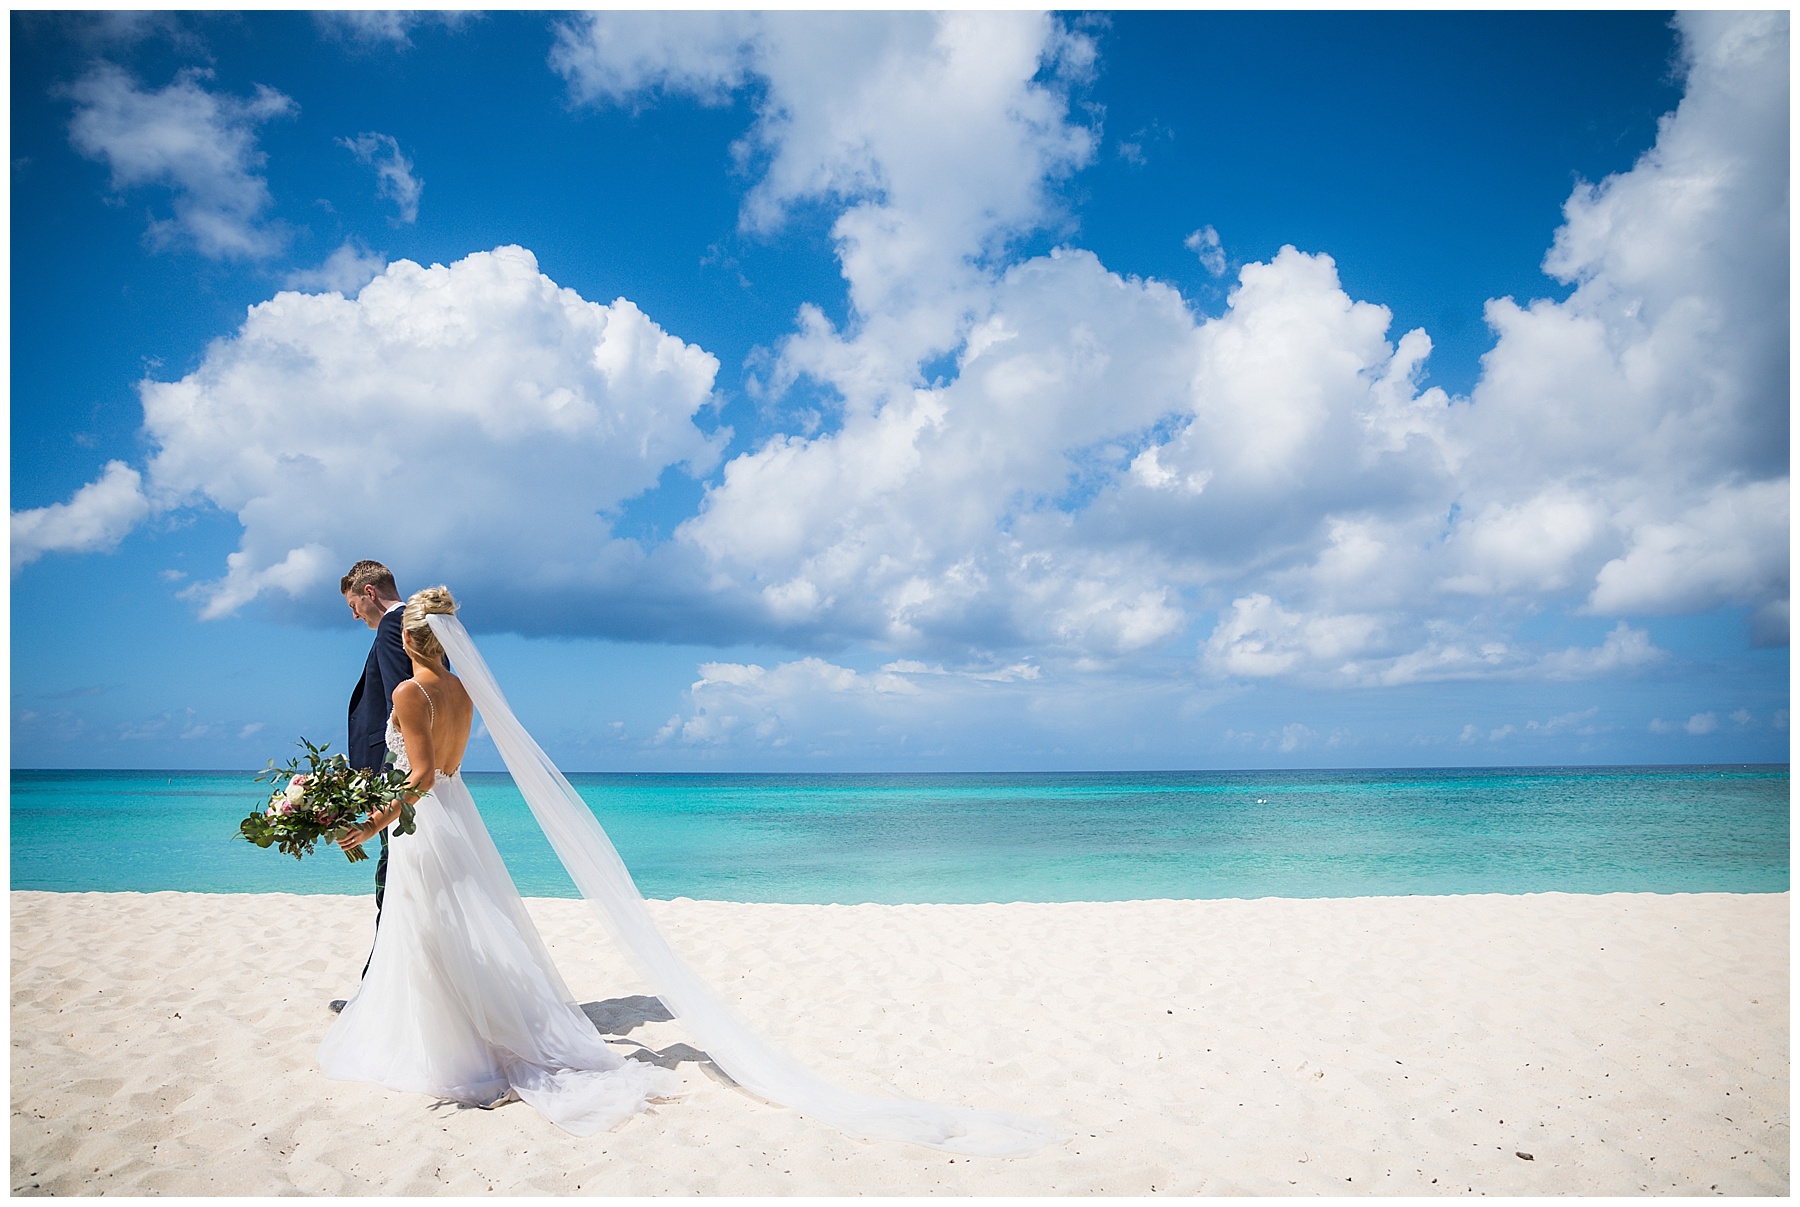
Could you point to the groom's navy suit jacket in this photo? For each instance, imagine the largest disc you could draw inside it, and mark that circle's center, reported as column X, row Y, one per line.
column 387, row 667
column 373, row 699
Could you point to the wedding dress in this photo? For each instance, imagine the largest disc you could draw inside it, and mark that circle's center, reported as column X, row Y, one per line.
column 461, row 999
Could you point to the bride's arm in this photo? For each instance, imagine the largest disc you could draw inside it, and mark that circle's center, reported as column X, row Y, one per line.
column 412, row 715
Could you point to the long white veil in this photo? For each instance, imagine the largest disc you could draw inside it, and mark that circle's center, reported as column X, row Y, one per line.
column 751, row 1061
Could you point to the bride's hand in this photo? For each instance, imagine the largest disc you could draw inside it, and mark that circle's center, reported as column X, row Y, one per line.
column 357, row 837
column 369, row 830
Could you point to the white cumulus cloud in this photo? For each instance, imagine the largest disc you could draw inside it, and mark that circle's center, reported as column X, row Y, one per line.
column 1261, row 639
column 1732, row 546
column 1529, row 546
column 932, row 518
column 472, row 423
column 392, row 27
column 938, row 134
column 200, row 145
column 346, row 270
column 610, row 56
column 1625, row 648
column 96, row 517
column 1636, row 433
column 1702, row 722
column 1205, row 244
column 976, row 715
column 394, row 177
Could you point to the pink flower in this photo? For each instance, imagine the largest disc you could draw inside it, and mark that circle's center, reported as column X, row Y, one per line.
column 293, row 794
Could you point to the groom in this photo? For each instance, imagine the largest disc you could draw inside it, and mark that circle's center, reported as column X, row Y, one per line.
column 369, row 590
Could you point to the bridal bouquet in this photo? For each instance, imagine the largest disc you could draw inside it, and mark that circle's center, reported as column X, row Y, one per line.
column 327, row 799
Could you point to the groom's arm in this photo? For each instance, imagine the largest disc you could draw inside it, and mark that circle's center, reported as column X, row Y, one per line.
column 390, row 657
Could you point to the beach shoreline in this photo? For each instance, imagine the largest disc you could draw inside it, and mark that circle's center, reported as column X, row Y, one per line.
column 1630, row 1043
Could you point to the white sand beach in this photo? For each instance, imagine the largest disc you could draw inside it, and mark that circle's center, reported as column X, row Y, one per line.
column 1630, row 1043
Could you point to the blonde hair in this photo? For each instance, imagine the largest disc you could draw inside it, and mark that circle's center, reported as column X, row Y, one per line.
column 432, row 601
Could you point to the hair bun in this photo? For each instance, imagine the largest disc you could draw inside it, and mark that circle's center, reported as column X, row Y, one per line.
column 432, row 601
column 435, row 601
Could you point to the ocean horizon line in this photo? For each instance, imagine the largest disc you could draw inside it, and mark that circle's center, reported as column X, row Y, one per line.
column 1345, row 770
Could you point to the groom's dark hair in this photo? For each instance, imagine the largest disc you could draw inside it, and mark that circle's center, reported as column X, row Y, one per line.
column 369, row 574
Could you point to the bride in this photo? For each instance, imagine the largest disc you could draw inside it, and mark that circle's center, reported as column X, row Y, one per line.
column 461, row 999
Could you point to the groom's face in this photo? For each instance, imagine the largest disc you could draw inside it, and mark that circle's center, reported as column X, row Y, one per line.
column 366, row 607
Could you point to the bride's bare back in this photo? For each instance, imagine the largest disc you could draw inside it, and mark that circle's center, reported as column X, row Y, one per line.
column 435, row 715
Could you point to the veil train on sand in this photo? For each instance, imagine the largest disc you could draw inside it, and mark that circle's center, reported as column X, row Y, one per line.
column 750, row 1060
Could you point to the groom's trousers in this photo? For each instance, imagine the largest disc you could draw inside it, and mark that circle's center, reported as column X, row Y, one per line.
column 380, row 889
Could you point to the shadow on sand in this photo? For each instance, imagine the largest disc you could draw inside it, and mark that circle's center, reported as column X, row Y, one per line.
column 617, row 1017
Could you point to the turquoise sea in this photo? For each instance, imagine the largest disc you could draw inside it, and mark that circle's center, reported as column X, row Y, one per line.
column 977, row 837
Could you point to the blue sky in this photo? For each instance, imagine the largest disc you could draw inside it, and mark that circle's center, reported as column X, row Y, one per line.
column 910, row 391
